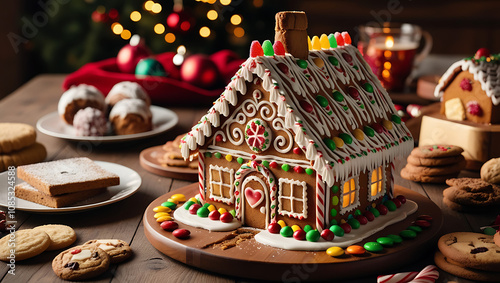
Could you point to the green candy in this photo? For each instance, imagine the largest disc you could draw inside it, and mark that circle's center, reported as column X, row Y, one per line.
column 335, row 200
column 396, row 119
column 171, row 205
column 415, row 228
column 368, row 87
column 267, row 46
column 286, row 231
column 312, row 236
column 373, row 247
column 385, row 241
column 206, row 205
column 391, row 206
column 354, row 223
column 335, row 189
column 329, row 143
column 208, row 154
column 285, row 167
column 346, row 138
column 337, row 95
column 265, row 163
column 308, row 228
column 188, row 204
column 375, row 212
column 333, row 212
column 489, row 231
column 302, row 63
column 395, row 238
column 369, row 131
column 309, row 171
column 337, row 230
column 322, row 100
column 202, row 212
column 333, row 42
column 240, row 160
column 357, row 212
column 233, row 212
column 408, row 234
column 333, row 222
column 218, row 155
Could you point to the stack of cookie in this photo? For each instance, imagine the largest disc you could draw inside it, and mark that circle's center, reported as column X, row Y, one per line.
column 469, row 255
column 471, row 194
column 173, row 156
column 18, row 145
column 63, row 182
column 434, row 163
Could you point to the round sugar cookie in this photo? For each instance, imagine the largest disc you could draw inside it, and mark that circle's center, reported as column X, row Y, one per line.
column 32, row 154
column 15, row 136
column 436, row 151
column 61, row 236
column 424, row 178
column 28, row 243
column 81, row 262
column 473, row 274
column 118, row 250
column 420, row 161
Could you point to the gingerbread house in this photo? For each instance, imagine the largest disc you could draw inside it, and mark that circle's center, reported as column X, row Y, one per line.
column 470, row 89
column 303, row 133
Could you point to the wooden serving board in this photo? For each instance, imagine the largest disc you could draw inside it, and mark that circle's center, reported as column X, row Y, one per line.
column 149, row 161
column 251, row 259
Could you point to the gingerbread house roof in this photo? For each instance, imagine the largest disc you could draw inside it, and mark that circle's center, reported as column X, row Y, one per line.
column 485, row 70
column 339, row 113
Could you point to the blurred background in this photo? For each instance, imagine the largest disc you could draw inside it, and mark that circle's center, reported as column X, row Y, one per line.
column 59, row 36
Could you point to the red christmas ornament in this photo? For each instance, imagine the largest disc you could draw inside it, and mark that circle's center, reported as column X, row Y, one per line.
column 131, row 54
column 180, row 21
column 200, row 71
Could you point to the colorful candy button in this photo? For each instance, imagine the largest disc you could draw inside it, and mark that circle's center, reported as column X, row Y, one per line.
column 329, row 143
column 318, row 62
column 322, row 100
column 312, row 236
column 282, row 223
column 335, row 251
column 160, row 214
column 369, row 131
column 415, row 228
column 387, row 124
column 373, row 247
column 358, row 134
column 385, row 241
column 396, row 119
column 355, row 250
column 395, row 238
column 179, row 197
column 391, row 206
column 296, row 227
column 408, row 234
column 170, row 205
column 338, row 142
column 299, row 235
column 286, row 231
column 162, row 209
column 354, row 223
column 164, row 218
column 188, row 204
column 346, row 138
column 203, row 212
column 169, row 225
column 307, row 228
column 337, row 96
column 181, row 233
column 337, row 230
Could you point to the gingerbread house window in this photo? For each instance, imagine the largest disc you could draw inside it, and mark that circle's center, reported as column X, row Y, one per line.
column 376, row 183
column 350, row 195
column 292, row 198
column 221, row 184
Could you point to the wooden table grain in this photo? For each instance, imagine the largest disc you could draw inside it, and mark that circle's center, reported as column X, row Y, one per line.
column 123, row 220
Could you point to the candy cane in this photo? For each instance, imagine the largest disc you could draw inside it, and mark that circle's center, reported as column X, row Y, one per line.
column 428, row 275
column 320, row 203
column 201, row 172
column 393, row 169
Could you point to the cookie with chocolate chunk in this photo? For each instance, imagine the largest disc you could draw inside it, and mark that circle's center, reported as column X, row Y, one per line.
column 81, row 262
column 118, row 250
column 454, row 268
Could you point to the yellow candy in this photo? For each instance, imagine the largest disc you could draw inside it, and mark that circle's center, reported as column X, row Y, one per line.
column 211, row 208
column 342, row 221
column 309, row 45
column 338, row 142
column 335, row 251
column 281, row 223
column 325, row 43
column 316, row 45
column 164, row 218
column 296, row 227
column 387, row 124
column 160, row 214
column 193, row 199
column 358, row 134
column 162, row 209
column 222, row 210
column 318, row 62
column 229, row 157
column 172, row 200
column 179, row 197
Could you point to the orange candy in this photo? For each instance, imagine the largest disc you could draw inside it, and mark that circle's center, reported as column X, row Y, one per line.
column 355, row 250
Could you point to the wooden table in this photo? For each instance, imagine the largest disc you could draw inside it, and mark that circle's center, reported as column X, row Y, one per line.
column 123, row 220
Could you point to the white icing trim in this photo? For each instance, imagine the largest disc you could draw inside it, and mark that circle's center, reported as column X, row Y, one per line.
column 291, row 198
column 227, row 200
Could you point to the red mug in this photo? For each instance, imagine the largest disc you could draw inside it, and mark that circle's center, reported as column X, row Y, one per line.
column 391, row 51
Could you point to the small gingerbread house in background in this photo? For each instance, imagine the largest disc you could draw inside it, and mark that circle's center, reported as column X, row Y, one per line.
column 470, row 89
column 303, row 133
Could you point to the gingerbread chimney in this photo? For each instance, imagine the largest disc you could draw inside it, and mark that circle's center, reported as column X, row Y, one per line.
column 291, row 30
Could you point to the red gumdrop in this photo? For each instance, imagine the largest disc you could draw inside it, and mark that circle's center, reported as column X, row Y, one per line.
column 279, row 49
column 474, row 108
column 353, row 92
column 218, row 138
column 256, row 49
column 298, row 169
column 273, row 165
column 181, row 233
column 402, row 199
column 378, row 128
column 297, row 150
column 214, row 215
column 362, row 219
column 327, row 235
column 346, row 227
column 396, row 202
column 382, row 209
column 423, row 223
column 482, row 52
column 169, row 225
column 347, row 37
column 226, row 217
column 194, row 208
column 339, row 38
column 299, row 235
column 274, row 228
column 466, row 85
column 369, row 216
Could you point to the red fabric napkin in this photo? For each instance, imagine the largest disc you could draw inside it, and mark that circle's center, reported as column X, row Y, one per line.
column 162, row 90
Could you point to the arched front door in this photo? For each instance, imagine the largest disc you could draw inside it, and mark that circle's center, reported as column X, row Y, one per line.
column 255, row 200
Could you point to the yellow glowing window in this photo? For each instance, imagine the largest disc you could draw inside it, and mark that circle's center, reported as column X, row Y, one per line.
column 349, row 193
column 377, row 181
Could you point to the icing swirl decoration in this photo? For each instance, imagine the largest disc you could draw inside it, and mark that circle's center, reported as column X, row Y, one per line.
column 257, row 135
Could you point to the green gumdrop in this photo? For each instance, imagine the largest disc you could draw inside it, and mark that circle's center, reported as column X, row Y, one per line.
column 233, row 212
column 346, row 138
column 309, row 171
column 312, row 236
column 354, row 223
column 375, row 212
column 337, row 95
column 391, row 206
column 357, row 212
column 335, row 189
column 322, row 101
column 333, row 212
column 307, row 228
column 188, row 204
column 368, row 87
column 396, row 119
column 329, row 143
column 369, row 131
column 302, row 63
column 286, row 231
column 208, row 154
column 337, row 230
column 267, row 46
column 240, row 160
column 333, row 41
column 335, row 200
column 217, row 155
column 265, row 163
column 202, row 212
column 285, row 167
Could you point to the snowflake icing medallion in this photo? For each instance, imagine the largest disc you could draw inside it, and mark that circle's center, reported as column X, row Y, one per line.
column 257, row 135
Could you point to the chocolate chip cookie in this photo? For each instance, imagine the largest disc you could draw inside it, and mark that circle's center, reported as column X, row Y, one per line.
column 118, row 250
column 81, row 262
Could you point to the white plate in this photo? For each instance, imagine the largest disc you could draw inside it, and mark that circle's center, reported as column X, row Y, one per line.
column 52, row 125
column 130, row 182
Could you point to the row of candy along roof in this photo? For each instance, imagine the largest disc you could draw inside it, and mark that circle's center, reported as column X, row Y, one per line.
column 486, row 70
column 340, row 114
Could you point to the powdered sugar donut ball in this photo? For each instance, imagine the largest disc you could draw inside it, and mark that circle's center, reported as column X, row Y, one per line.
column 90, row 122
column 126, row 90
column 79, row 97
